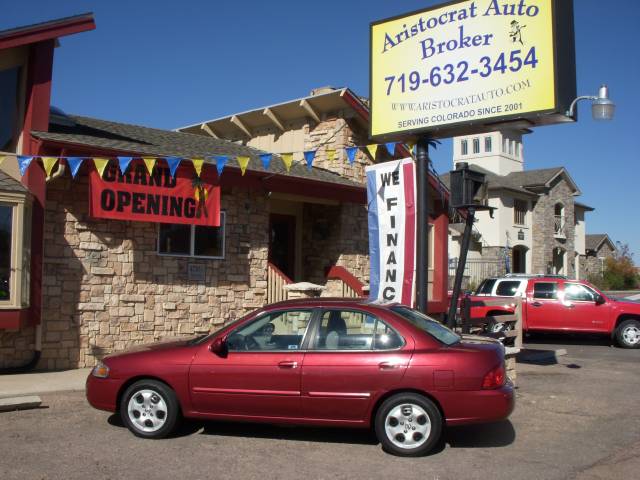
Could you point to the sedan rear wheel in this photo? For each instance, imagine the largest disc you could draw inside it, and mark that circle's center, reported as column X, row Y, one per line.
column 628, row 334
column 149, row 409
column 408, row 424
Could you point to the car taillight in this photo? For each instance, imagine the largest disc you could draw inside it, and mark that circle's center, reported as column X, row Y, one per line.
column 495, row 378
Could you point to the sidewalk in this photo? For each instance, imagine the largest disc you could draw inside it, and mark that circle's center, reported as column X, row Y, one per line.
column 42, row 382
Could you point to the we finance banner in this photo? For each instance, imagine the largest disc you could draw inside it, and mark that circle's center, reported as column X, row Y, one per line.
column 157, row 197
column 391, row 190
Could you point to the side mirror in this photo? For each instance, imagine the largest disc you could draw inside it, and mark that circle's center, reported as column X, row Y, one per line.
column 219, row 347
column 599, row 299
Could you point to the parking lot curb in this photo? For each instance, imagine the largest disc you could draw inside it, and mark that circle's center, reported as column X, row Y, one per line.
column 10, row 404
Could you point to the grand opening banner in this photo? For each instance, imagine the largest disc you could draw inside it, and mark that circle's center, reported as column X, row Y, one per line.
column 391, row 190
column 157, row 197
column 472, row 63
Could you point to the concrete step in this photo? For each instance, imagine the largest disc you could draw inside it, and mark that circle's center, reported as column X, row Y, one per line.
column 10, row 404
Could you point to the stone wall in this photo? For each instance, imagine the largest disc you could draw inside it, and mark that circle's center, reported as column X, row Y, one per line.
column 592, row 265
column 544, row 240
column 105, row 288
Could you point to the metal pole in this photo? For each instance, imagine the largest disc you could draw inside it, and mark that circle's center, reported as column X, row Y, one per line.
column 422, row 215
column 457, row 285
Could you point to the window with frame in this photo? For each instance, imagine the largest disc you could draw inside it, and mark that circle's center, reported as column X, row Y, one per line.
column 578, row 293
column 476, row 145
column 507, row 288
column 15, row 250
column 281, row 330
column 354, row 330
column 519, row 211
column 192, row 240
column 545, row 290
column 510, row 143
column 487, row 144
column 464, row 147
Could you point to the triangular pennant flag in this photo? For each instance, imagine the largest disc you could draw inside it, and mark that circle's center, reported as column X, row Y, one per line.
column 331, row 154
column 174, row 163
column 123, row 163
column 197, row 165
column 23, row 163
column 372, row 149
column 266, row 160
column 309, row 155
column 101, row 164
column 287, row 159
column 149, row 162
column 391, row 148
column 351, row 154
column 2, row 160
column 221, row 161
column 74, row 164
column 48, row 163
column 243, row 162
column 410, row 146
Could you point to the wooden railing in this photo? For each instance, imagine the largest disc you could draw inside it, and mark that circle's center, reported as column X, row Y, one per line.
column 514, row 319
column 351, row 286
column 276, row 280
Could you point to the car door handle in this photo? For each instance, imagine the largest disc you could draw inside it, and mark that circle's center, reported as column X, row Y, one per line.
column 536, row 304
column 388, row 365
column 288, row 364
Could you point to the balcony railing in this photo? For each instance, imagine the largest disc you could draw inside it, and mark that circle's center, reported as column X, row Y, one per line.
column 558, row 226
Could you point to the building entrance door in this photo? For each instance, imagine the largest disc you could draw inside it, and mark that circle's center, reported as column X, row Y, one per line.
column 519, row 256
column 282, row 243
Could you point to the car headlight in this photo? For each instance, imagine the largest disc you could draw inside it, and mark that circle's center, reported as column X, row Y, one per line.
column 100, row 370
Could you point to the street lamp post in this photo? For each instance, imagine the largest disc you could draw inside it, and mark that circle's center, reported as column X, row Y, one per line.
column 602, row 108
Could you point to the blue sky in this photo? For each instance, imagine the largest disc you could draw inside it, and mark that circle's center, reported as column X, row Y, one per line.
column 167, row 64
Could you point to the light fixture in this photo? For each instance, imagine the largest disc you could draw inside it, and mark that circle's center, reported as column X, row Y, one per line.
column 602, row 107
column 520, row 234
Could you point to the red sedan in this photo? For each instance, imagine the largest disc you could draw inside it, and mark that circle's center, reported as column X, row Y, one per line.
column 331, row 362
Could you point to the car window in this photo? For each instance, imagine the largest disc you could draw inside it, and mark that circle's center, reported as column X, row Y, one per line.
column 545, row 290
column 507, row 288
column 282, row 330
column 354, row 330
column 578, row 292
column 486, row 286
column 427, row 324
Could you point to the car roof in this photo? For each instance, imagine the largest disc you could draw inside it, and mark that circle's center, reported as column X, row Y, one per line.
column 330, row 302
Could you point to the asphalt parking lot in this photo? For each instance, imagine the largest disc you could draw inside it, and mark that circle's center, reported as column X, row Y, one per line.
column 576, row 417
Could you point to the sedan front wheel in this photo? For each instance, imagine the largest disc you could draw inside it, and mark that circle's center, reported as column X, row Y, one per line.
column 149, row 409
column 408, row 425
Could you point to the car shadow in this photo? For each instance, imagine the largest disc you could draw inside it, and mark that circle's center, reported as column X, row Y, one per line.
column 568, row 339
column 490, row 435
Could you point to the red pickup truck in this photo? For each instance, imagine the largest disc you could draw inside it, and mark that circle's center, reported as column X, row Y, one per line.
column 560, row 305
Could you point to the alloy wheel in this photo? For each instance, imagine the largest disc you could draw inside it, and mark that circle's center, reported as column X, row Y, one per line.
column 147, row 410
column 407, row 425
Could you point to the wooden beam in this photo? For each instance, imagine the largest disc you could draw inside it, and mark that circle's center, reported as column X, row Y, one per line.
column 208, row 129
column 272, row 116
column 309, row 109
column 238, row 123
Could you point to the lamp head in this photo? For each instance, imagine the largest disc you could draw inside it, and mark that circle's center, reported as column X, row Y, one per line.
column 602, row 108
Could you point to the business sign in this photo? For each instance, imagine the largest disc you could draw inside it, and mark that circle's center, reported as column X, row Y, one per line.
column 391, row 190
column 159, row 197
column 471, row 66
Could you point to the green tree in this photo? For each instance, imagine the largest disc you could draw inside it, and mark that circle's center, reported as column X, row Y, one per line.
column 620, row 273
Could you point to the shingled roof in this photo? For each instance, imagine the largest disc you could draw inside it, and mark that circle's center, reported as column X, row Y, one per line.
column 593, row 241
column 522, row 182
column 122, row 138
column 10, row 184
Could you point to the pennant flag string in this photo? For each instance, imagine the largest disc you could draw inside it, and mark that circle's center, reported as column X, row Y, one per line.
column 243, row 162
column 391, row 148
column 23, row 163
column 197, row 165
column 309, row 155
column 351, row 154
column 331, row 154
column 74, row 165
column 123, row 163
column 221, row 161
column 149, row 162
column 287, row 159
column 372, row 149
column 48, row 163
column 266, row 160
column 100, row 164
column 174, row 163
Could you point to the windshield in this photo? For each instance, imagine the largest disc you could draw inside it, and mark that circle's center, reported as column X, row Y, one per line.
column 486, row 286
column 203, row 338
column 433, row 328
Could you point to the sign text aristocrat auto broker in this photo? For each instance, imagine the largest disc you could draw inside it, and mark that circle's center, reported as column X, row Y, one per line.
column 158, row 197
column 465, row 62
